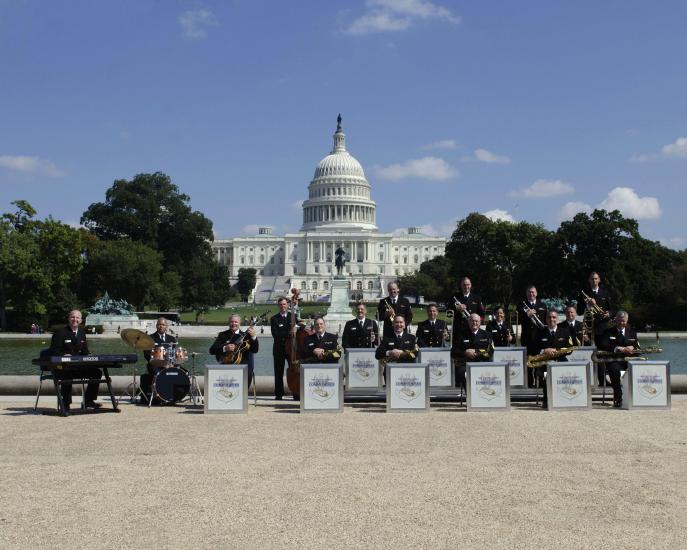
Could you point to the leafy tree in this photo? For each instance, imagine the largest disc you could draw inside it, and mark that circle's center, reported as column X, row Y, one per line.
column 246, row 282
column 150, row 210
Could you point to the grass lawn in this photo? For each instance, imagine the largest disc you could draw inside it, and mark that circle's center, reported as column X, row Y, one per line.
column 220, row 316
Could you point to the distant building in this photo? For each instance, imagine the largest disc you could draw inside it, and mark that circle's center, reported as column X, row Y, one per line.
column 338, row 212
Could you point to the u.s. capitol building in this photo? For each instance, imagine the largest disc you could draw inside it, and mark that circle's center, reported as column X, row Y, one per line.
column 339, row 212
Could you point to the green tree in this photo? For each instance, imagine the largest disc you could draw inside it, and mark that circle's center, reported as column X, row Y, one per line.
column 246, row 282
column 150, row 210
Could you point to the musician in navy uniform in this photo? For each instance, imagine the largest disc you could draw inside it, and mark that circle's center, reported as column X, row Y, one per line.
column 549, row 339
column 391, row 306
column 400, row 346
column 431, row 333
column 280, row 326
column 472, row 345
column 320, row 346
column 360, row 332
column 599, row 296
column 71, row 340
column 529, row 329
column 573, row 326
column 622, row 340
column 229, row 340
column 500, row 331
column 468, row 302
column 160, row 337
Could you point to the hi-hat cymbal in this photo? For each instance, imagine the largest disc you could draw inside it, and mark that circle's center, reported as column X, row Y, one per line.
column 137, row 339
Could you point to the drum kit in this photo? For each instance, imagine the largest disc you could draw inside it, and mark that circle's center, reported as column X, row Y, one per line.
column 172, row 383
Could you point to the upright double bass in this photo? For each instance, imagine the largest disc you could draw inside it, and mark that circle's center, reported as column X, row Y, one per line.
column 293, row 345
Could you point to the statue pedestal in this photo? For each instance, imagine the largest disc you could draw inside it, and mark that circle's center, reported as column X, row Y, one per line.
column 339, row 311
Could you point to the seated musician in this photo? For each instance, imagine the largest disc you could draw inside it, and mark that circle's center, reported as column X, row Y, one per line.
column 622, row 340
column 574, row 327
column 71, row 340
column 228, row 342
column 400, row 346
column 321, row 346
column 160, row 337
column 473, row 345
column 500, row 331
column 552, row 337
column 360, row 332
column 432, row 333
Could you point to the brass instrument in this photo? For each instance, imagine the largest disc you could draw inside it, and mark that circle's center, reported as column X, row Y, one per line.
column 464, row 312
column 484, row 354
column 534, row 318
column 541, row 360
column 335, row 353
column 390, row 311
column 517, row 325
column 405, row 354
column 596, row 309
column 613, row 357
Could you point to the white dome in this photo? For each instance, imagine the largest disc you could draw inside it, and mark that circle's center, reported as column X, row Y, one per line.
column 340, row 163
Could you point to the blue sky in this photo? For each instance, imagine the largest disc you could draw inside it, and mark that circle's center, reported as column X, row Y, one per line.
column 527, row 110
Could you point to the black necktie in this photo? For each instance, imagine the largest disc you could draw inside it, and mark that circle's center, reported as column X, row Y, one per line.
column 553, row 332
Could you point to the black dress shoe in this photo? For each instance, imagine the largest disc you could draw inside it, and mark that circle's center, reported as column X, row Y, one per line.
column 617, row 403
column 277, row 397
column 296, row 397
column 93, row 405
column 67, row 406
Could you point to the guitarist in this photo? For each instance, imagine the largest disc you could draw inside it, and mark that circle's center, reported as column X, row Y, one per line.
column 228, row 341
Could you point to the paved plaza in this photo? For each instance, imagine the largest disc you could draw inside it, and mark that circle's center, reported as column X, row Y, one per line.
column 174, row 477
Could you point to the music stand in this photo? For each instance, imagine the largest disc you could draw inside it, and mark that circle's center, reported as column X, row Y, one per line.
column 195, row 395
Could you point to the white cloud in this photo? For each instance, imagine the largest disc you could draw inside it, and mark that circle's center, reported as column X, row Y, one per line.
column 676, row 243
column 675, row 150
column 442, row 144
column 482, row 155
column 427, row 168
column 631, row 205
column 541, row 189
column 297, row 206
column 31, row 165
column 499, row 215
column 571, row 208
column 194, row 23
column 397, row 15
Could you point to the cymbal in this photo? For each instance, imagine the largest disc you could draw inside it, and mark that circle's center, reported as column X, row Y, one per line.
column 137, row 339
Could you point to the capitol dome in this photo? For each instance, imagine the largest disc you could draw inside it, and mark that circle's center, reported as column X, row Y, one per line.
column 339, row 194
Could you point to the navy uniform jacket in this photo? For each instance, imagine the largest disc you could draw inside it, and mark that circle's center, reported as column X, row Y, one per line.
column 64, row 342
column 229, row 337
column 499, row 335
column 603, row 300
column 429, row 336
column 469, row 340
column 401, row 307
column 280, row 328
column 612, row 339
column 406, row 342
column 169, row 339
column 355, row 337
column 329, row 342
column 529, row 332
column 575, row 332
column 559, row 339
column 474, row 305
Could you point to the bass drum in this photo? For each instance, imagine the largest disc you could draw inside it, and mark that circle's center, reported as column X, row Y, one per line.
column 171, row 385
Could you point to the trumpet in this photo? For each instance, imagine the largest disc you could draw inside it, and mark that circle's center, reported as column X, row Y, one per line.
column 534, row 318
column 464, row 312
column 390, row 311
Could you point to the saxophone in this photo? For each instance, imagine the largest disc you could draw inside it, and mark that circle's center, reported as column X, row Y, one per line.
column 332, row 353
column 405, row 354
column 542, row 359
column 612, row 357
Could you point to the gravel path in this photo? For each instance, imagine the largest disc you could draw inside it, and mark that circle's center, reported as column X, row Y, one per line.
column 162, row 477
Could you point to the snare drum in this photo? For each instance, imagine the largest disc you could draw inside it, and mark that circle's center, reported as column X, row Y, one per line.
column 180, row 356
column 162, row 355
column 171, row 384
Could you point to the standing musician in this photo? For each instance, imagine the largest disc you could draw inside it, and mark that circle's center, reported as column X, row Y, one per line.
column 622, row 340
column 596, row 296
column 228, row 341
column 71, row 340
column 573, row 326
column 160, row 337
column 433, row 332
column 466, row 302
column 321, row 346
column 549, row 339
column 390, row 307
column 360, row 332
column 529, row 326
column 280, row 326
column 400, row 346
column 500, row 332
column 473, row 345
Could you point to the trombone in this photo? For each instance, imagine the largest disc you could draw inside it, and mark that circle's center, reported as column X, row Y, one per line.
column 534, row 318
